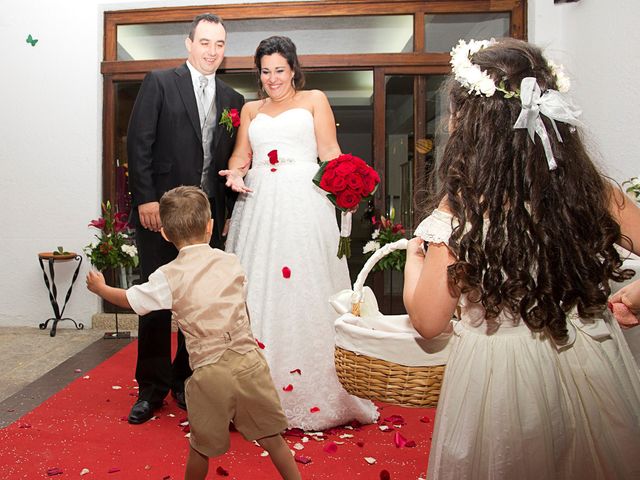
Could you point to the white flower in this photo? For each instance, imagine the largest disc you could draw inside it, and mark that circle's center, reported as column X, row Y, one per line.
column 130, row 250
column 466, row 73
column 486, row 86
column 375, row 234
column 371, row 246
column 562, row 80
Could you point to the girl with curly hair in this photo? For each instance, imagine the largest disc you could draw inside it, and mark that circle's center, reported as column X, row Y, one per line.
column 522, row 243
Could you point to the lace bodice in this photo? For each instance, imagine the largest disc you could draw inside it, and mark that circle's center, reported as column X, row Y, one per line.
column 295, row 140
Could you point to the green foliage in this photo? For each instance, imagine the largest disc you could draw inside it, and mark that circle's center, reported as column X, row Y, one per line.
column 633, row 188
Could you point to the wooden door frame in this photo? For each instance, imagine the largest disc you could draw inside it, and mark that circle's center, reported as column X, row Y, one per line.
column 415, row 62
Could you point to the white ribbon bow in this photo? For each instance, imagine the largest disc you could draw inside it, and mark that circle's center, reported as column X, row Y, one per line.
column 553, row 105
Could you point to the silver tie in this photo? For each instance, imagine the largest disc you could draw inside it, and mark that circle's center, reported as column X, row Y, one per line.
column 203, row 98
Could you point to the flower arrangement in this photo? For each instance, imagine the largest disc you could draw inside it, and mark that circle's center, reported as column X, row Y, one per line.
column 633, row 188
column 348, row 180
column 386, row 231
column 114, row 248
column 230, row 119
column 479, row 82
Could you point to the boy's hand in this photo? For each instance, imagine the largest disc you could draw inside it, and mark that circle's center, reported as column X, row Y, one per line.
column 95, row 281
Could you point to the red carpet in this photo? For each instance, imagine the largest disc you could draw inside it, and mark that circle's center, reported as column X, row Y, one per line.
column 84, row 427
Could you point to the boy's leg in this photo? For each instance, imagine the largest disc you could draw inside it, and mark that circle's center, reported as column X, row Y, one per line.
column 197, row 465
column 281, row 456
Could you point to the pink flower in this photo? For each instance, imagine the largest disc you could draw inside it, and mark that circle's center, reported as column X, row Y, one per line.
column 99, row 223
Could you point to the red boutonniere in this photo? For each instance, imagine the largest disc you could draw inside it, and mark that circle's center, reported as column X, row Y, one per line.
column 230, row 119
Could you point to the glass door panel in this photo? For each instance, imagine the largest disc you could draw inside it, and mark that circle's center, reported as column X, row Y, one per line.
column 442, row 31
column 312, row 35
column 350, row 94
column 414, row 109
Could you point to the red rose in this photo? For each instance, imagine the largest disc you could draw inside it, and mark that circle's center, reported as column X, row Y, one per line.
column 345, row 168
column 235, row 117
column 273, row 157
column 338, row 184
column 370, row 181
column 354, row 182
column 328, row 175
column 331, row 165
column 347, row 199
column 326, row 184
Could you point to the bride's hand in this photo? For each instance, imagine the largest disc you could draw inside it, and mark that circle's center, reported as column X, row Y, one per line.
column 235, row 181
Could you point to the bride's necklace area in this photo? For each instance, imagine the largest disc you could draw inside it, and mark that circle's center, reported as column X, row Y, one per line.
column 276, row 107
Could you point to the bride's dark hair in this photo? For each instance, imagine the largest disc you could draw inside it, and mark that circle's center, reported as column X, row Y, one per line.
column 537, row 242
column 285, row 47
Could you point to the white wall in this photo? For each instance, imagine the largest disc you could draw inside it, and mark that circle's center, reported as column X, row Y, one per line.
column 597, row 42
column 51, row 148
column 51, row 124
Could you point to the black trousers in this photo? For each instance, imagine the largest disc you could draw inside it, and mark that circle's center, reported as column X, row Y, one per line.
column 156, row 373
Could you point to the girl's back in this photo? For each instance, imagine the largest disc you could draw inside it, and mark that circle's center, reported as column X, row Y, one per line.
column 517, row 404
column 540, row 384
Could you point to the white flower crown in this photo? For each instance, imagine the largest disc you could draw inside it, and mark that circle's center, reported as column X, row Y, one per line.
column 553, row 104
column 479, row 82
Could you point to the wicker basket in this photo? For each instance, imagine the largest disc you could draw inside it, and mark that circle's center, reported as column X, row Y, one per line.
column 377, row 379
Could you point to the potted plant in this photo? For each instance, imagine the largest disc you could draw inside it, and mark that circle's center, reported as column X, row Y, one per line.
column 633, row 188
column 386, row 231
column 113, row 247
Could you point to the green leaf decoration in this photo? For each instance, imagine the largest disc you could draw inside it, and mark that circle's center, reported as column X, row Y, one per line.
column 32, row 41
column 61, row 251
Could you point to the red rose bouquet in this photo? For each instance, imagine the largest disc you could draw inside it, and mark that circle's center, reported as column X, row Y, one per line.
column 348, row 180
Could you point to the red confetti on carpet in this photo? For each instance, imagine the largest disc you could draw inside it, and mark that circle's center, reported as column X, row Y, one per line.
column 81, row 428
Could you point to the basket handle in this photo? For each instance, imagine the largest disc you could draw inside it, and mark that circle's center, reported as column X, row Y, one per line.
column 356, row 298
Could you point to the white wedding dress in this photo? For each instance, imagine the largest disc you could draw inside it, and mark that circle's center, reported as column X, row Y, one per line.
column 287, row 228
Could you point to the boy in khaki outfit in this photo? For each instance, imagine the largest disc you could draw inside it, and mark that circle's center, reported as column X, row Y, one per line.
column 205, row 289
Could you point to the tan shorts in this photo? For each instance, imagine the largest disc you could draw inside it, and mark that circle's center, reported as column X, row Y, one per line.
column 237, row 388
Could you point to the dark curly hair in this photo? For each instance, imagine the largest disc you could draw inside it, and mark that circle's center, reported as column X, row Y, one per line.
column 533, row 241
column 285, row 47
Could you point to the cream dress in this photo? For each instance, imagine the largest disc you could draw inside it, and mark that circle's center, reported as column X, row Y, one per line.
column 516, row 405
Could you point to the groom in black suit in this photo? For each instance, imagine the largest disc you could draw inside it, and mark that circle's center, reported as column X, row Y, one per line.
column 175, row 138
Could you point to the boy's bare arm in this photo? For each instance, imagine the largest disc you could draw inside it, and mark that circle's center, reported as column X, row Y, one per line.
column 116, row 296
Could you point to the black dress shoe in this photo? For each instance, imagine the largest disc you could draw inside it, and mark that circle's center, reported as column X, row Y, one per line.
column 141, row 411
column 180, row 400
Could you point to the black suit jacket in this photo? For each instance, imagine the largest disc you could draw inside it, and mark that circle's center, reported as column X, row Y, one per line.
column 164, row 143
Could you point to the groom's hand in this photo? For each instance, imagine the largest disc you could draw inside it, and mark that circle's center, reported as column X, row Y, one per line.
column 149, row 214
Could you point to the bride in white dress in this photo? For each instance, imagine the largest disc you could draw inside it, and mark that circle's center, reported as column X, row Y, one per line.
column 284, row 231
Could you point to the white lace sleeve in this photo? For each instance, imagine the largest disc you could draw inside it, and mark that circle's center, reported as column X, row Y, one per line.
column 436, row 228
